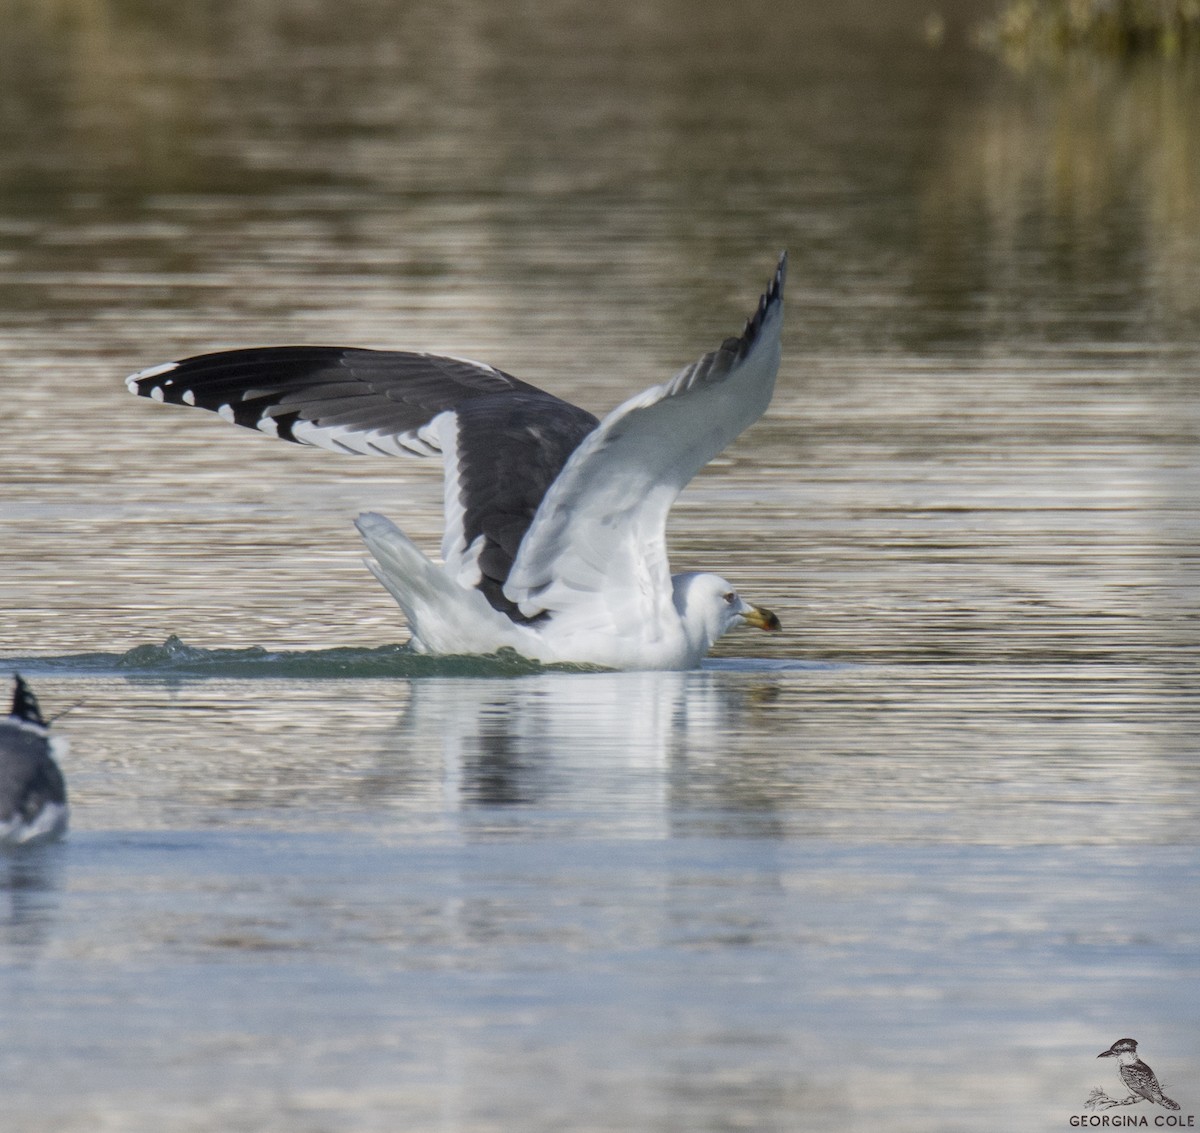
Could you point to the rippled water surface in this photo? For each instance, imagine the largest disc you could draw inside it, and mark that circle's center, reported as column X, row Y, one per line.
column 909, row 865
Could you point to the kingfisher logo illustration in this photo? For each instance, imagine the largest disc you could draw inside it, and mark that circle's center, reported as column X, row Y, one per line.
column 1140, row 1084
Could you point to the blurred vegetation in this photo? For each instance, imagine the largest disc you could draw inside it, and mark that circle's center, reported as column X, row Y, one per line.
column 1027, row 29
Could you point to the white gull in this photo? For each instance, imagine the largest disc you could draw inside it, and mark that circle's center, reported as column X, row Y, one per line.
column 554, row 540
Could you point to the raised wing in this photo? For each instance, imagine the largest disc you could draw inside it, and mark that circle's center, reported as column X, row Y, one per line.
column 367, row 402
column 503, row 441
column 601, row 528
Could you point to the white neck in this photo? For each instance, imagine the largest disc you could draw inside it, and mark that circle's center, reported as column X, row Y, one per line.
column 697, row 618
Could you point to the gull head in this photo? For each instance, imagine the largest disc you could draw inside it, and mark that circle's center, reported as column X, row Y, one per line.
column 709, row 607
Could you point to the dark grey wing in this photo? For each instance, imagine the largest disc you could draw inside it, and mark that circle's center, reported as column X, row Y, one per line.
column 507, row 451
column 369, row 402
column 503, row 441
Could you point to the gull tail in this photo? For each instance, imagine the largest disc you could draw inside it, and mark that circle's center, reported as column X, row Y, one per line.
column 444, row 617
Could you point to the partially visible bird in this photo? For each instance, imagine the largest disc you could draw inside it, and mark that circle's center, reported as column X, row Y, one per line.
column 1136, row 1075
column 33, row 793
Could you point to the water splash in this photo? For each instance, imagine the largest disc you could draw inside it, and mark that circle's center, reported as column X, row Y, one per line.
column 175, row 657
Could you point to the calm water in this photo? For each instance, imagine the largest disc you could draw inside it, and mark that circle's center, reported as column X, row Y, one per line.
column 910, row 865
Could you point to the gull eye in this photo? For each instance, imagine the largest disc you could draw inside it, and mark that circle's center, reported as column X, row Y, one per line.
column 730, row 597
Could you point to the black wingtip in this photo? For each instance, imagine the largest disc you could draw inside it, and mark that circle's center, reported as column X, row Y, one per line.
column 775, row 290
column 24, row 703
column 770, row 299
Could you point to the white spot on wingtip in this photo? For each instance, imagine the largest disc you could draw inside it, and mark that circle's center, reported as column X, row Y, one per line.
column 269, row 426
column 133, row 382
column 225, row 412
column 189, row 398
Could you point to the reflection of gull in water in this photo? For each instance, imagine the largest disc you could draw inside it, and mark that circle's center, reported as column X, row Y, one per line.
column 555, row 523
column 603, row 744
column 33, row 795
